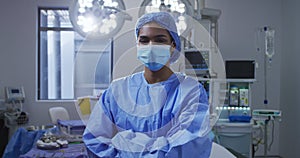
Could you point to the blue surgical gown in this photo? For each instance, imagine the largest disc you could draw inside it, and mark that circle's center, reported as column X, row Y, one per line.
column 136, row 119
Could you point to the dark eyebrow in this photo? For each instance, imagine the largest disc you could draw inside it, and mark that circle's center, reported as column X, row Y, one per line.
column 157, row 36
column 161, row 36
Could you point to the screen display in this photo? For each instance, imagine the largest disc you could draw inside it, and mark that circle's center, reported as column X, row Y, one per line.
column 196, row 60
column 15, row 91
column 243, row 69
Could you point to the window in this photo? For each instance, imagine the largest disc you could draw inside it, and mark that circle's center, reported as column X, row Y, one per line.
column 68, row 65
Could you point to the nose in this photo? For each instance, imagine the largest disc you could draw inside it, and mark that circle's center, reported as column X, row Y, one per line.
column 151, row 43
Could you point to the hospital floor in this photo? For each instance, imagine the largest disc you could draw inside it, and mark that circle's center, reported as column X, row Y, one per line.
column 267, row 156
column 238, row 155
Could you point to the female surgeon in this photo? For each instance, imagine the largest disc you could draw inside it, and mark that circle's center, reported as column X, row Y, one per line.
column 156, row 112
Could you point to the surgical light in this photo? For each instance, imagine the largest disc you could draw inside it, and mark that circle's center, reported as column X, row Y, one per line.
column 98, row 19
column 177, row 8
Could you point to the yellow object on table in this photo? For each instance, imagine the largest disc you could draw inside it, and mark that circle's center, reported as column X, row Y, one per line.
column 85, row 106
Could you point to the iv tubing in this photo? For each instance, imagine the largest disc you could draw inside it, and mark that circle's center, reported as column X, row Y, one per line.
column 265, row 80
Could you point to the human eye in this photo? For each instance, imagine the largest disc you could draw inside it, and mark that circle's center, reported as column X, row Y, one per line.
column 161, row 40
column 143, row 41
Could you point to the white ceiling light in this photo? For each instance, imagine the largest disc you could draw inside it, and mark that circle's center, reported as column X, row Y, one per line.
column 178, row 8
column 98, row 19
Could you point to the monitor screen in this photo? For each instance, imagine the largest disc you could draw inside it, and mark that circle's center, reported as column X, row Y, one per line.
column 195, row 60
column 15, row 91
column 240, row 69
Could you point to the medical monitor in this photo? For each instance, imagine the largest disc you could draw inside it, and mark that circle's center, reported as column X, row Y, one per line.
column 240, row 69
column 196, row 62
column 14, row 94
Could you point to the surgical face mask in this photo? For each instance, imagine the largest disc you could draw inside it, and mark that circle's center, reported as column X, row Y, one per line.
column 154, row 57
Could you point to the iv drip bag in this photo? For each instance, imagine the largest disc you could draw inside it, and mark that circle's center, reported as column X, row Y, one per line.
column 269, row 42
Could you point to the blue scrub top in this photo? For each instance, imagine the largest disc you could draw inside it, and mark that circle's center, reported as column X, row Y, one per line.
column 137, row 119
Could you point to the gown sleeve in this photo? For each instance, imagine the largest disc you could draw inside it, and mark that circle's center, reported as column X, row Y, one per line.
column 99, row 132
column 189, row 135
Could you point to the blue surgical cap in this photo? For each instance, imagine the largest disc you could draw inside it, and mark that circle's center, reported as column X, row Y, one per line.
column 166, row 21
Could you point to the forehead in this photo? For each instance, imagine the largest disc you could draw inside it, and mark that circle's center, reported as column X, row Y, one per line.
column 153, row 29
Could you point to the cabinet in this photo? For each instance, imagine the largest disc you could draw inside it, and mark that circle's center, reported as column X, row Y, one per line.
column 233, row 129
column 236, row 137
